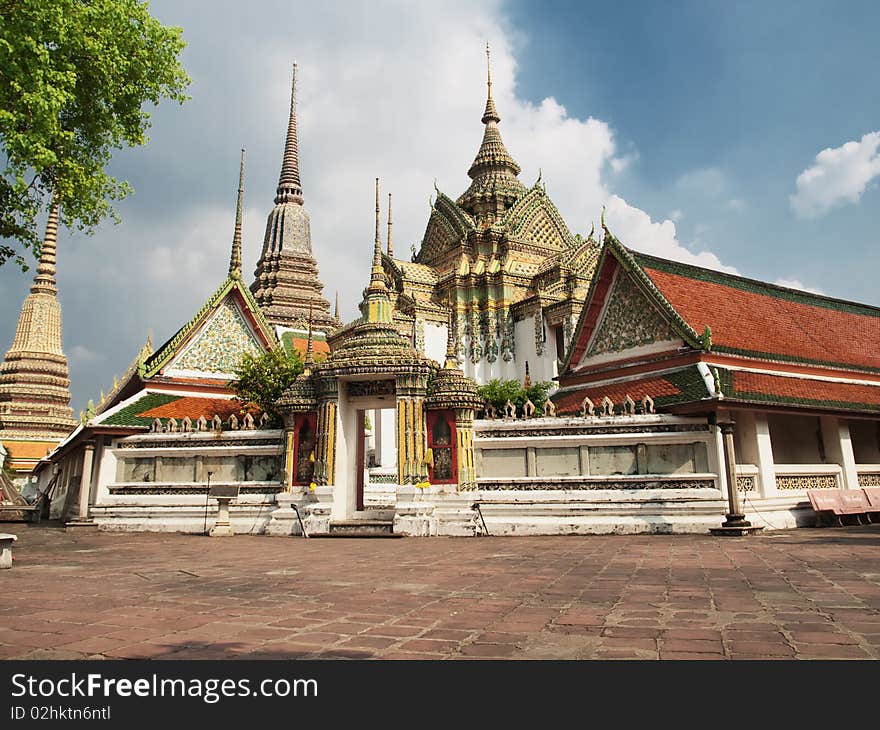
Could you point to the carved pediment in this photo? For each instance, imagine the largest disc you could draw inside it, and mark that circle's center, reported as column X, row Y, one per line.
column 630, row 320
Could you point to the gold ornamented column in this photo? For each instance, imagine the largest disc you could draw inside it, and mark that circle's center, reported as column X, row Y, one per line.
column 464, row 429
column 289, row 467
column 325, row 447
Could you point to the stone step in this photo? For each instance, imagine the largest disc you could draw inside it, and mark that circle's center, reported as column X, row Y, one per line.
column 360, row 528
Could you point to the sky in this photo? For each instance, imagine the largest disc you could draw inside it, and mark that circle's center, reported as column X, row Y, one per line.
column 743, row 136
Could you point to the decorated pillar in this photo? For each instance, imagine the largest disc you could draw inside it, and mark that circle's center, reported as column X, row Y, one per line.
column 464, row 436
column 325, row 443
column 289, row 435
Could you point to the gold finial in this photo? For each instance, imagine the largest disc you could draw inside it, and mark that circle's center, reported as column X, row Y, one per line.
column 490, row 114
column 377, row 275
column 235, row 258
column 488, row 70
column 390, row 244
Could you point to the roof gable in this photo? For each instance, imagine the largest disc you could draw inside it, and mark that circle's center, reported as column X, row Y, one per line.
column 227, row 326
column 615, row 260
column 535, row 219
column 629, row 320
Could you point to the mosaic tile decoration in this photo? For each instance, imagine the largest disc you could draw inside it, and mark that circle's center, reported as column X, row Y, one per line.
column 219, row 347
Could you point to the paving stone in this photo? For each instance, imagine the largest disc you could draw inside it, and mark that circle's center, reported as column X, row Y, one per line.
column 783, row 595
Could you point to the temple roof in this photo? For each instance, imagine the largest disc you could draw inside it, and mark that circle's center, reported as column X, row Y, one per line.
column 758, row 319
column 751, row 342
column 494, row 185
column 286, row 283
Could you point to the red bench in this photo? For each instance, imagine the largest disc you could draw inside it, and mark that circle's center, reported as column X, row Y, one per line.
column 857, row 502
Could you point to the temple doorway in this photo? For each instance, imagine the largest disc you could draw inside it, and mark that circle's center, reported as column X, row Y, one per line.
column 363, row 405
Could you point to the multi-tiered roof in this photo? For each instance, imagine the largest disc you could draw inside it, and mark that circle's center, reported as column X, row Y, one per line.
column 34, row 386
column 286, row 283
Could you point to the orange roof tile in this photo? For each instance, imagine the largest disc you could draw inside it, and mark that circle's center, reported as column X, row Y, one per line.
column 195, row 407
column 754, row 318
column 29, row 449
column 803, row 391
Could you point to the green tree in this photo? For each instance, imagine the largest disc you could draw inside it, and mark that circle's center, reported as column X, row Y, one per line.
column 498, row 392
column 263, row 378
column 75, row 76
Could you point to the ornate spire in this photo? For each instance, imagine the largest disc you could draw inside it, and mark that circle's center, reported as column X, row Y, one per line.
column 495, row 185
column 336, row 311
column 44, row 281
column 390, row 244
column 490, row 113
column 377, row 275
column 527, row 381
column 34, row 384
column 235, row 258
column 289, row 185
column 376, row 306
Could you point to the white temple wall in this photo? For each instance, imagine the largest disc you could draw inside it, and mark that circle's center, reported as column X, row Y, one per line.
column 435, row 341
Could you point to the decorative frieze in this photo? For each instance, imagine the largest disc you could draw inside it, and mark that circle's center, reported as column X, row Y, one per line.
column 806, row 481
column 541, row 484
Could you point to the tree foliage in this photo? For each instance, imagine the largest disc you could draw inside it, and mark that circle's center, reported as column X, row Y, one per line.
column 498, row 392
column 263, row 378
column 74, row 78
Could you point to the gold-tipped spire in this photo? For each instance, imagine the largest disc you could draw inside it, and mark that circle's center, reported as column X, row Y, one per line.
column 490, row 112
column 377, row 273
column 336, row 311
column 44, row 281
column 527, row 381
column 376, row 306
column 390, row 245
column 235, row 258
column 289, row 185
column 495, row 186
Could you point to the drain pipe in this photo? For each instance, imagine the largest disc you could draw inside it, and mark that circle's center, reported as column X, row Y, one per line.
column 476, row 506
column 298, row 517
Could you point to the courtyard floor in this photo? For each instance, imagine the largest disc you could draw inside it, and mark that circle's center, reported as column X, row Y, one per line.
column 809, row 593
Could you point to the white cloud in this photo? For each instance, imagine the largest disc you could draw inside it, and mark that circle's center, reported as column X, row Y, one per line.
column 839, row 176
column 797, row 284
column 635, row 229
column 676, row 215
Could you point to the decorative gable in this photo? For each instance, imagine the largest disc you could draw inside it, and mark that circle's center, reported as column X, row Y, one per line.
column 535, row 219
column 630, row 320
column 220, row 343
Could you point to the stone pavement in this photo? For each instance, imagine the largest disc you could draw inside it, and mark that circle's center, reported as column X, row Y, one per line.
column 800, row 594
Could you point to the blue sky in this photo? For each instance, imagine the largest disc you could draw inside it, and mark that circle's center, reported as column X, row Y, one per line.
column 750, row 90
column 698, row 125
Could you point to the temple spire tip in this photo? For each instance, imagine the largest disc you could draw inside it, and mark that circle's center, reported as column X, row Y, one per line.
column 235, row 258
